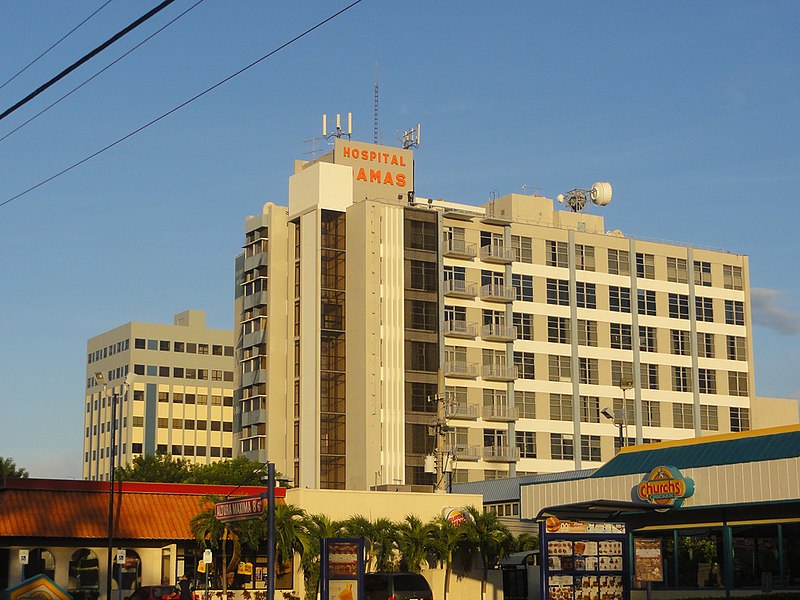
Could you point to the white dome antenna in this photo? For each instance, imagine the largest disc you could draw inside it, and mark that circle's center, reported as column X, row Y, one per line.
column 576, row 199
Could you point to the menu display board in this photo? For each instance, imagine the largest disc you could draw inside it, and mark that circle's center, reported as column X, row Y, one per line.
column 647, row 559
column 584, row 561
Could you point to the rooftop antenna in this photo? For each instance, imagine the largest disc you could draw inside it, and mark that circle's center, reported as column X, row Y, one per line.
column 375, row 108
column 338, row 132
column 411, row 137
column 576, row 199
column 314, row 145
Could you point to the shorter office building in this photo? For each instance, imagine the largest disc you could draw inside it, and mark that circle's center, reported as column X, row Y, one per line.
column 159, row 388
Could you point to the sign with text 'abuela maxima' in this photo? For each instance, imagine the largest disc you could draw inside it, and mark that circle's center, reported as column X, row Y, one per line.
column 239, row 509
column 379, row 172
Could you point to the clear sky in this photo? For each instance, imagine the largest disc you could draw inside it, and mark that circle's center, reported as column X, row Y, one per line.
column 690, row 110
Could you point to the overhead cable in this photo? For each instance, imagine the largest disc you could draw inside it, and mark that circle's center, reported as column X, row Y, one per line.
column 183, row 104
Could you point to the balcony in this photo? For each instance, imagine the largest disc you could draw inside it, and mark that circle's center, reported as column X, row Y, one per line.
column 500, row 454
column 463, row 451
column 500, row 412
column 494, row 292
column 460, row 369
column 460, row 329
column 459, row 249
column 456, row 288
column 496, row 253
column 460, row 410
column 498, row 333
column 499, row 372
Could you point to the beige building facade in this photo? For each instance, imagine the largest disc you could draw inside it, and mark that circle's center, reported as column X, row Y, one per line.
column 376, row 328
column 172, row 387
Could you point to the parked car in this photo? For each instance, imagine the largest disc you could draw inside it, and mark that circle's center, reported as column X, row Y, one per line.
column 396, row 586
column 155, row 592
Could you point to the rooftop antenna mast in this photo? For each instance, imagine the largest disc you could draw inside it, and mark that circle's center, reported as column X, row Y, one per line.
column 412, row 137
column 338, row 132
column 375, row 108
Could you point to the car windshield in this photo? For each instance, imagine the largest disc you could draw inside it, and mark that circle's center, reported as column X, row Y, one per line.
column 410, row 582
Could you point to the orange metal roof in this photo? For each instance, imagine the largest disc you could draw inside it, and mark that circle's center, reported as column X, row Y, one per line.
column 79, row 509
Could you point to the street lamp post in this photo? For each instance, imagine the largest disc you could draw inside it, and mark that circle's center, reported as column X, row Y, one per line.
column 619, row 422
column 100, row 378
column 625, row 385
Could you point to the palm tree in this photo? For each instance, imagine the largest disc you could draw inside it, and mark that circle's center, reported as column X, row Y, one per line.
column 490, row 538
column 448, row 540
column 210, row 531
column 317, row 527
column 359, row 526
column 525, row 542
column 290, row 533
column 384, row 541
column 414, row 541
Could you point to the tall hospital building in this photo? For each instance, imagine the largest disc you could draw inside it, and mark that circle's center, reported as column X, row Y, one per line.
column 376, row 328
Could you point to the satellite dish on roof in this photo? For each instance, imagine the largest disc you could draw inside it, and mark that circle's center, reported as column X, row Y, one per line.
column 601, row 193
column 577, row 199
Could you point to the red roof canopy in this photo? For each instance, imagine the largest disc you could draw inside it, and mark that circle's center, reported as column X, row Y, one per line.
column 54, row 508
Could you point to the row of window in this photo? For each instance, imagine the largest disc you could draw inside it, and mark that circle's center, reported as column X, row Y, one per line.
column 174, row 450
column 557, row 255
column 561, row 409
column 164, row 423
column 185, row 347
column 183, row 373
column 107, row 351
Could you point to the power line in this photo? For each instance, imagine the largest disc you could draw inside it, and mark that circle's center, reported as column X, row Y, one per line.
column 87, row 57
column 65, row 36
column 111, row 64
column 185, row 103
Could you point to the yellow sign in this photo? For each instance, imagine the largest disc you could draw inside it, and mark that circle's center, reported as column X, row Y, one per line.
column 665, row 486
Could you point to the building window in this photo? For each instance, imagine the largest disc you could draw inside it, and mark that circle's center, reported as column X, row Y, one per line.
column 704, row 309
column 590, row 447
column 524, row 324
column 680, row 342
column 525, row 403
column 524, row 361
column 590, row 409
column 649, row 376
column 709, row 420
column 163, row 396
column 621, row 336
column 619, row 299
column 737, row 348
column 423, row 275
column 558, row 292
column 585, row 294
column 164, row 345
column 734, row 312
column 740, row 419
column 707, row 381
column 139, row 343
column 678, row 306
column 647, row 339
column 526, row 442
column 647, row 302
column 645, row 266
column 558, row 330
column 732, row 277
column 560, row 407
column 682, row 416
column 702, row 273
column 651, row 413
column 202, row 348
column 557, row 254
column 587, row 333
column 619, row 262
column 621, row 371
column 523, row 248
column 163, row 422
column 523, row 286
column 423, row 235
column 425, row 317
column 737, row 383
column 676, row 270
column 681, row 379
column 705, row 345
column 559, row 368
column 424, row 356
column 584, row 257
column 561, row 447
column 587, row 368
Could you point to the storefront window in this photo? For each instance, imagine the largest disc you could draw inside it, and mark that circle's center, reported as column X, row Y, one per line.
column 700, row 558
column 40, row 561
column 84, row 574
column 755, row 555
column 791, row 555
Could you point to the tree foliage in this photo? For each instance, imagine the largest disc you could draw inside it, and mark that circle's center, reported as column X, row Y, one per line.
column 8, row 468
column 165, row 468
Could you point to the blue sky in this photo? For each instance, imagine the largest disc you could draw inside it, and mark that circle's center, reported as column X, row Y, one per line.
column 690, row 109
